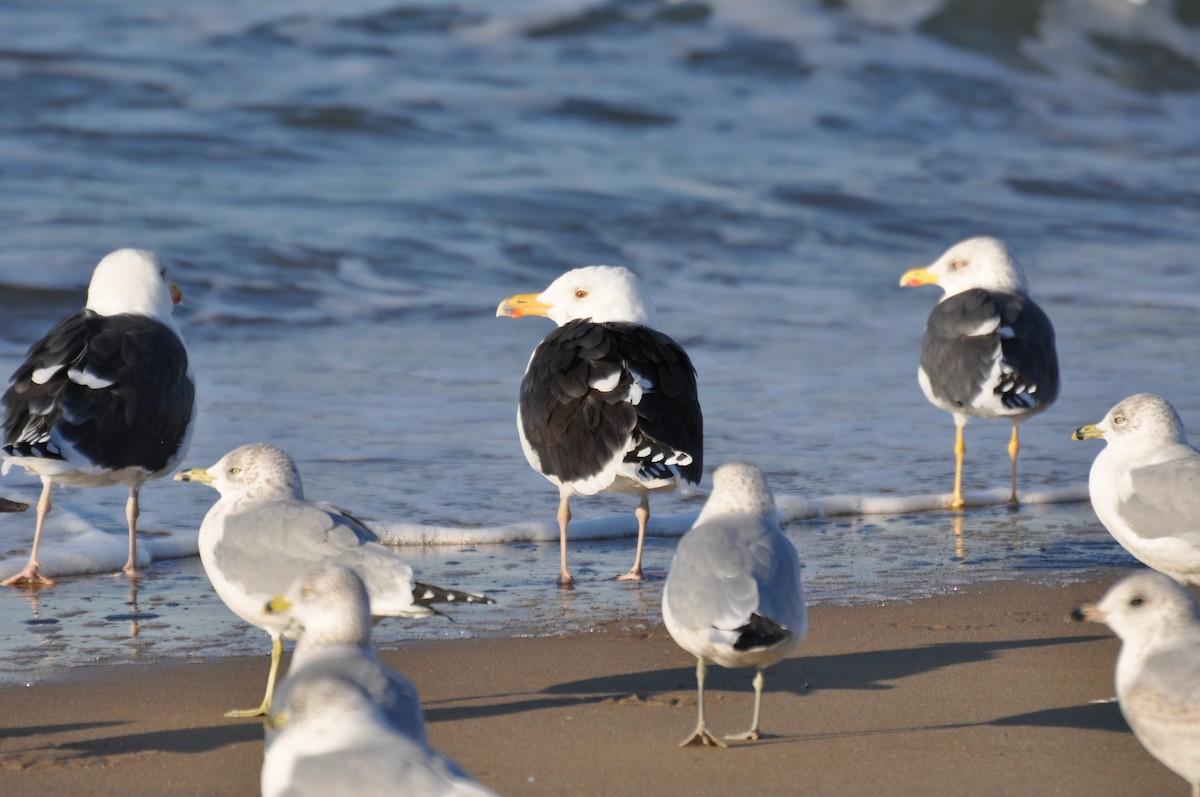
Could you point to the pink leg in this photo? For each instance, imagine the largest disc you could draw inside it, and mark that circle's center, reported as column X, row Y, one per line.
column 642, row 513
column 132, row 510
column 565, row 579
column 31, row 575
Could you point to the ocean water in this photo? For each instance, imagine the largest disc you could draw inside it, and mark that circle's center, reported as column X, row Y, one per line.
column 346, row 191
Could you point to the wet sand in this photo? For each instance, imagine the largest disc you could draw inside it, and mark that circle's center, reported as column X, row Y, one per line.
column 989, row 693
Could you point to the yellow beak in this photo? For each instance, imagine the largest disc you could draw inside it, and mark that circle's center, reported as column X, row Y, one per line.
column 198, row 475
column 277, row 606
column 917, row 277
column 1089, row 432
column 522, row 304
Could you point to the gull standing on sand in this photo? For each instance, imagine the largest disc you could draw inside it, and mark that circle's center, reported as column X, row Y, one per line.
column 106, row 397
column 607, row 402
column 1145, row 485
column 733, row 594
column 343, row 722
column 1158, row 668
column 988, row 350
column 262, row 534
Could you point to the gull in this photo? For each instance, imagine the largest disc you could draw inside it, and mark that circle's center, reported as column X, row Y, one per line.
column 733, row 594
column 607, row 403
column 1145, row 485
column 105, row 398
column 1158, row 668
column 988, row 350
column 344, row 723
column 262, row 533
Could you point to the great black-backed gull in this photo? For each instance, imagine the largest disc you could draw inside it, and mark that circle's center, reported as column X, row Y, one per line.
column 1145, row 485
column 1157, row 674
column 106, row 397
column 344, row 722
column 733, row 595
column 262, row 534
column 988, row 350
column 607, row 403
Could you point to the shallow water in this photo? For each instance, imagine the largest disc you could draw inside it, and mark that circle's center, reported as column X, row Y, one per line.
column 345, row 193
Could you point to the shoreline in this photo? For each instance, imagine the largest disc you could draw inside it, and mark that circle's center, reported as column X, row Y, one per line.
column 988, row 691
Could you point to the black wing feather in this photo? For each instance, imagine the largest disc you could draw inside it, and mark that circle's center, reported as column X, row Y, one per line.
column 576, row 429
column 139, row 420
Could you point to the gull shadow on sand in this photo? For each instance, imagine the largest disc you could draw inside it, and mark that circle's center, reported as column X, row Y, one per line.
column 869, row 670
column 188, row 740
column 46, row 730
column 1090, row 717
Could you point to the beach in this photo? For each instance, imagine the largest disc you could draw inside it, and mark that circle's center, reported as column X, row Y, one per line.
column 992, row 691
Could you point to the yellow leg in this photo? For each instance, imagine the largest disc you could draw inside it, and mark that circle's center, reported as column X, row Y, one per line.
column 1014, row 446
column 265, row 708
column 642, row 513
column 565, row 579
column 960, row 449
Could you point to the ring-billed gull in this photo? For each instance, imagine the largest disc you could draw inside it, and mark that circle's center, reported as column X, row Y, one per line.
column 607, row 402
column 1158, row 668
column 1145, row 484
column 106, row 397
column 988, row 350
column 733, row 594
column 343, row 722
column 261, row 534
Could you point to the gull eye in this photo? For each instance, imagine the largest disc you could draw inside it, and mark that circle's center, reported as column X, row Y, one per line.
column 1136, row 602
column 308, row 592
column 580, row 293
column 1118, row 420
column 235, row 470
column 958, row 264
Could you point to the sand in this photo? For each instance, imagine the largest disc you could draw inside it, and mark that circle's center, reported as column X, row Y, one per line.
column 991, row 692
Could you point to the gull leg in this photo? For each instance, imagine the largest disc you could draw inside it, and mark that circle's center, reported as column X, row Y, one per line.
column 752, row 734
column 701, row 736
column 565, row 579
column 132, row 511
column 265, row 708
column 1014, row 446
column 642, row 513
column 32, row 575
column 960, row 448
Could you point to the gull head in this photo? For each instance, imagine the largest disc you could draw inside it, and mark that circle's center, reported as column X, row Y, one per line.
column 330, row 603
column 738, row 487
column 981, row 262
column 1144, row 609
column 1142, row 421
column 249, row 474
column 599, row 293
column 132, row 281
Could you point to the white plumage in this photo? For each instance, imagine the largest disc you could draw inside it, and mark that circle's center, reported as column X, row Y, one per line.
column 262, row 534
column 1145, row 484
column 345, row 723
column 1158, row 669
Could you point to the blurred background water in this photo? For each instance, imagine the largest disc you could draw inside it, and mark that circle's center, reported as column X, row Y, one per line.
column 345, row 191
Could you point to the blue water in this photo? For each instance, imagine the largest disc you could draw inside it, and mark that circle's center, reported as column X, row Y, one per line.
column 344, row 193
